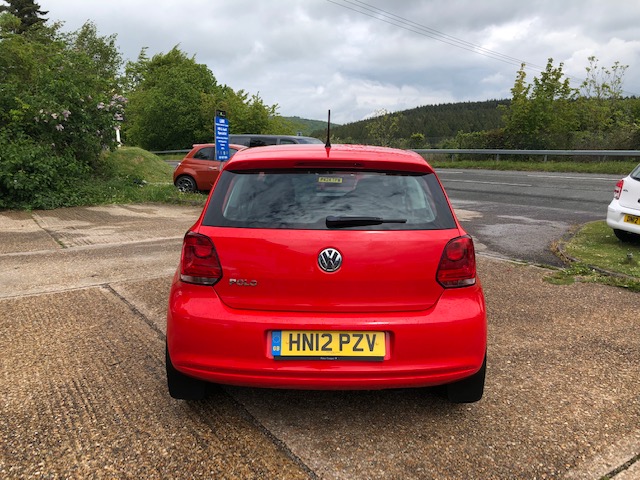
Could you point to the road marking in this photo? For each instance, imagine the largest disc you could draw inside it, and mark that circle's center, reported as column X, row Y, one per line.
column 570, row 178
column 493, row 183
column 464, row 215
column 567, row 177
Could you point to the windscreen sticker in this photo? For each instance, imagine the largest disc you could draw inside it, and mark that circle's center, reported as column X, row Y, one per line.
column 329, row 179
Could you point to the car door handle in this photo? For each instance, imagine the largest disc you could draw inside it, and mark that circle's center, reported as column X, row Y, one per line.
column 213, row 168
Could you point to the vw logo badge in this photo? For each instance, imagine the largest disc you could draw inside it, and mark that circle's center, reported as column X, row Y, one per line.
column 330, row 260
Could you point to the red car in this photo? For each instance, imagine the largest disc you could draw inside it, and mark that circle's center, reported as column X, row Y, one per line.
column 327, row 268
column 199, row 169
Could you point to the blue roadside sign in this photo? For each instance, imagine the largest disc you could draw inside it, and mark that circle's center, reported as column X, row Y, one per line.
column 221, row 129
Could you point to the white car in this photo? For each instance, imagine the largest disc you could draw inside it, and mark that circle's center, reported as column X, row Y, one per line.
column 623, row 214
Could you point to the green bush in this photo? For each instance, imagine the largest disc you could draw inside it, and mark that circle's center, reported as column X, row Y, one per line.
column 59, row 105
column 33, row 175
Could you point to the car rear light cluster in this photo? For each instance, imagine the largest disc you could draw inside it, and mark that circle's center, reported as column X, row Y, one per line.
column 618, row 189
column 458, row 264
column 199, row 263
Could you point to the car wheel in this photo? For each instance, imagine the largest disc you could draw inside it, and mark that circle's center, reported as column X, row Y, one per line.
column 182, row 386
column 186, row 184
column 470, row 389
column 625, row 236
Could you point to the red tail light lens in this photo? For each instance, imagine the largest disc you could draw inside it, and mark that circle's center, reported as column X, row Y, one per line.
column 618, row 189
column 458, row 264
column 199, row 263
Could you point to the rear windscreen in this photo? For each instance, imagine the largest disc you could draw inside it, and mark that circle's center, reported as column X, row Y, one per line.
column 349, row 199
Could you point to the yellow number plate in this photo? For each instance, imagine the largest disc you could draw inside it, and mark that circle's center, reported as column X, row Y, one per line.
column 632, row 219
column 328, row 345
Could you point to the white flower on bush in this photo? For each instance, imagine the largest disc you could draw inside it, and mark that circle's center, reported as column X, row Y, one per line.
column 118, row 99
column 46, row 115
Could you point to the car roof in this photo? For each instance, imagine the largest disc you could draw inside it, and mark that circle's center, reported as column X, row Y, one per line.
column 357, row 157
column 265, row 135
column 209, row 145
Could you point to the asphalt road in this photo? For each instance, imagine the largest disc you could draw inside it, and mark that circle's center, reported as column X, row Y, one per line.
column 83, row 295
column 519, row 215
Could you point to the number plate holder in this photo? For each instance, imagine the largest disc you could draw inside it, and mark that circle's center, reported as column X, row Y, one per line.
column 328, row 345
column 632, row 219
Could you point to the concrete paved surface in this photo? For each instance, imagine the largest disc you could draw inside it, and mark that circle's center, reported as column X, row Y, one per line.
column 82, row 303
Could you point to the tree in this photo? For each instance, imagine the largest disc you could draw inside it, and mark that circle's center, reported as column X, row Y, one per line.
column 164, row 109
column 549, row 113
column 417, row 140
column 608, row 120
column 27, row 11
column 603, row 83
column 173, row 100
column 541, row 114
column 101, row 51
column 383, row 128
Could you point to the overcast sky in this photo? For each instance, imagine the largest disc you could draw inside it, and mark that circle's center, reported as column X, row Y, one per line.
column 358, row 57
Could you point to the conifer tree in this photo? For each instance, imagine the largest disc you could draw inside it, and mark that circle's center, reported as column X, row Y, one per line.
column 27, row 11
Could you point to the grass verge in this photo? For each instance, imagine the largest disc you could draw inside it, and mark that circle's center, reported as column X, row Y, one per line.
column 596, row 255
column 621, row 167
column 132, row 175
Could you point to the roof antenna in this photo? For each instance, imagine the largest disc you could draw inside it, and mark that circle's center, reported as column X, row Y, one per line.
column 328, row 144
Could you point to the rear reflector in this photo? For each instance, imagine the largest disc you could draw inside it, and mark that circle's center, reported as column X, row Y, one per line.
column 199, row 263
column 458, row 264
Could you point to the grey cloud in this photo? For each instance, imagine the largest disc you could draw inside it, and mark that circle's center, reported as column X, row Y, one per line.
column 310, row 55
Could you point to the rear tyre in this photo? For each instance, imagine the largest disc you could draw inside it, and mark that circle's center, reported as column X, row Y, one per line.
column 181, row 386
column 625, row 236
column 470, row 389
column 186, row 184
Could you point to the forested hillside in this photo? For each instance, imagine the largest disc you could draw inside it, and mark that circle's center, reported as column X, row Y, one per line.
column 308, row 127
column 436, row 123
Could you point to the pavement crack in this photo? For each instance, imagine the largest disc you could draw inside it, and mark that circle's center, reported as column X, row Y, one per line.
column 625, row 466
column 159, row 333
column 280, row 444
column 51, row 233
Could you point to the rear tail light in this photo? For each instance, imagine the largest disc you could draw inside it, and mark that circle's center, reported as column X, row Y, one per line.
column 199, row 263
column 458, row 264
column 618, row 189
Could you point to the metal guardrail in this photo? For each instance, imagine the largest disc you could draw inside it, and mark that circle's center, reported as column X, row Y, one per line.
column 497, row 152
column 162, row 152
column 545, row 153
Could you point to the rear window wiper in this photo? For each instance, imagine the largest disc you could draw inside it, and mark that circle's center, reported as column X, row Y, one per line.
column 353, row 221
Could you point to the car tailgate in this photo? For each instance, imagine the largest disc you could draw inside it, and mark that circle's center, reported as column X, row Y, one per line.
column 274, row 269
column 630, row 195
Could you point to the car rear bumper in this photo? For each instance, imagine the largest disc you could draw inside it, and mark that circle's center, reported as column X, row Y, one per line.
column 209, row 341
column 616, row 218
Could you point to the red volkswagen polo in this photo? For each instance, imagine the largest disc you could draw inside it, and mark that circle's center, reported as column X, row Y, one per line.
column 327, row 268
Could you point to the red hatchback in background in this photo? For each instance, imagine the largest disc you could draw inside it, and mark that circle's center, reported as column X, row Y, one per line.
column 199, row 169
column 327, row 268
